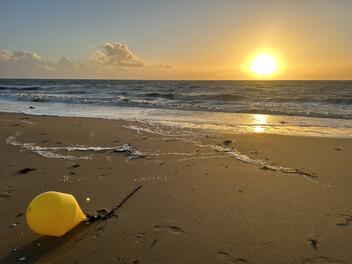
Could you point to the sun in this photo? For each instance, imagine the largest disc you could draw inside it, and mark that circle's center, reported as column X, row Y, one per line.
column 264, row 65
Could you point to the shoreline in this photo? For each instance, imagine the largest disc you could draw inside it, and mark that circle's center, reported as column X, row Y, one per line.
column 221, row 122
column 145, row 126
column 206, row 197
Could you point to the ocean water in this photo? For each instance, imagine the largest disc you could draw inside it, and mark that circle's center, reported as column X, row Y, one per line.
column 298, row 98
column 284, row 107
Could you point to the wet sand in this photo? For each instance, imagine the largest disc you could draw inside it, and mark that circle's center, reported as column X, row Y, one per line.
column 274, row 199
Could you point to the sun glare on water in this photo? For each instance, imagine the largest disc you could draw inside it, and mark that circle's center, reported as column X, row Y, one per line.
column 264, row 65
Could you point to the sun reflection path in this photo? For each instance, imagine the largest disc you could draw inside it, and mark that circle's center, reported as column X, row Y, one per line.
column 259, row 122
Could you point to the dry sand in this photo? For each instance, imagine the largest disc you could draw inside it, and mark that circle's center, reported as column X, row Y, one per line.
column 200, row 202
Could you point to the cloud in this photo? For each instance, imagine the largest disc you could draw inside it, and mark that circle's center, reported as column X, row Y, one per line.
column 116, row 54
column 109, row 60
column 20, row 57
column 22, row 63
column 5, row 55
column 65, row 64
column 164, row 66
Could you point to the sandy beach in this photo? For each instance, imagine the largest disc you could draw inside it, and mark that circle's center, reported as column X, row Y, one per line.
column 206, row 197
column 176, row 132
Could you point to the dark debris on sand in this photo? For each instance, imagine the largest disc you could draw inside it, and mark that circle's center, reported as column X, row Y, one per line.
column 26, row 170
column 227, row 142
column 103, row 214
column 314, row 243
column 76, row 165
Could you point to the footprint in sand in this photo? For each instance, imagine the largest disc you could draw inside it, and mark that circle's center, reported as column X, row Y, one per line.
column 7, row 193
column 153, row 244
column 227, row 258
column 347, row 220
column 321, row 260
column 168, row 228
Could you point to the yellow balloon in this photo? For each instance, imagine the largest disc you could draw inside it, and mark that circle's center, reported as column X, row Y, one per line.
column 53, row 213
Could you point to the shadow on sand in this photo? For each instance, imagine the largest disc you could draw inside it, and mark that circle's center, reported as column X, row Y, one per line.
column 43, row 246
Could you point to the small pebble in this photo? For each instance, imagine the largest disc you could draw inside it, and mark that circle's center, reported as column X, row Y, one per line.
column 22, row 259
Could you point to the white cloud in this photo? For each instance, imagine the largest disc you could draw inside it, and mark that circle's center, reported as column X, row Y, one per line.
column 21, row 63
column 65, row 64
column 25, row 62
column 5, row 55
column 116, row 54
column 19, row 57
column 110, row 60
column 23, row 55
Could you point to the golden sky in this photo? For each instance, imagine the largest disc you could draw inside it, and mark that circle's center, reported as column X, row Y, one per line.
column 199, row 39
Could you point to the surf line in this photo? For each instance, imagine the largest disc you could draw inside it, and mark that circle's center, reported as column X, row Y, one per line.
column 49, row 152
column 262, row 164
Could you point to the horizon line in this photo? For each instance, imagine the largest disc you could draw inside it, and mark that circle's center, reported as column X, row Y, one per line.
column 208, row 80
